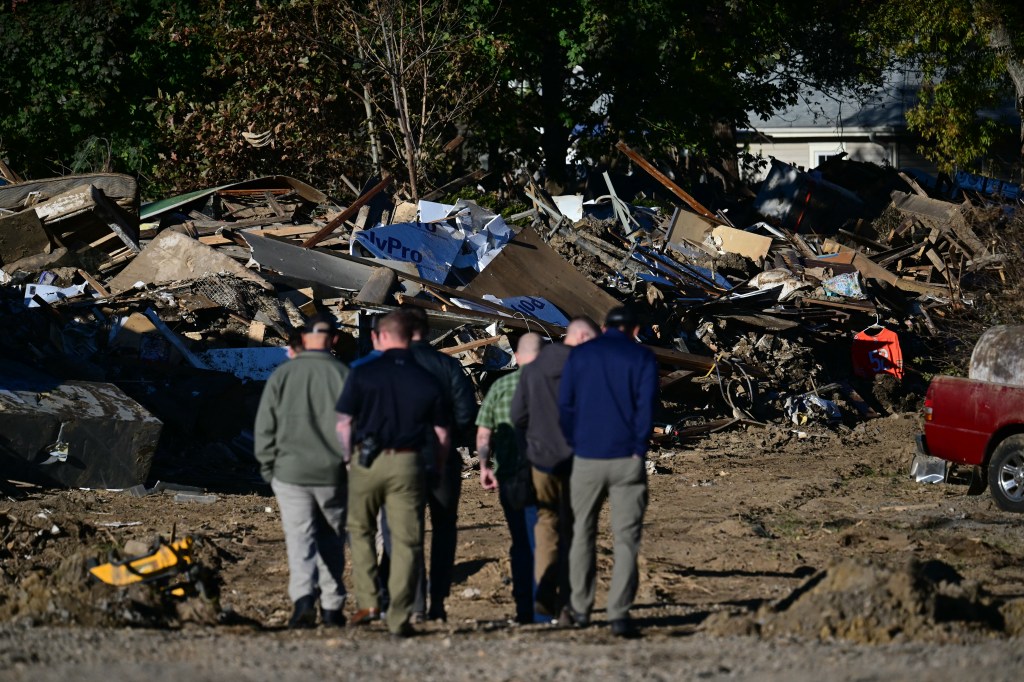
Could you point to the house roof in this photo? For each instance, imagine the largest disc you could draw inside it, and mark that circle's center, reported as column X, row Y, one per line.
column 882, row 112
column 885, row 110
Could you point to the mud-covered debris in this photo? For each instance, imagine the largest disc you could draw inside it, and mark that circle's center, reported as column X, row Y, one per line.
column 868, row 602
column 45, row 579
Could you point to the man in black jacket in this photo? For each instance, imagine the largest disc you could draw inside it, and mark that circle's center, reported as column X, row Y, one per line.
column 535, row 409
column 445, row 486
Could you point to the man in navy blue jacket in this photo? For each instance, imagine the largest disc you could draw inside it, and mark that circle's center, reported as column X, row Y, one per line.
column 606, row 403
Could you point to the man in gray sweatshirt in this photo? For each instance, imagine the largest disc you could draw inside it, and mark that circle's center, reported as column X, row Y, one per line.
column 299, row 455
column 535, row 409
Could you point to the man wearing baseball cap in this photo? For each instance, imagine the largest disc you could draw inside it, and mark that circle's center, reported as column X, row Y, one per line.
column 299, row 455
column 606, row 402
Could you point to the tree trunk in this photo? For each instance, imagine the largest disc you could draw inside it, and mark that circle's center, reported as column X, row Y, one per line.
column 1000, row 40
column 555, row 138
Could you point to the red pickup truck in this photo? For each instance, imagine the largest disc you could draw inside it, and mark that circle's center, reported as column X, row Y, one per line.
column 979, row 421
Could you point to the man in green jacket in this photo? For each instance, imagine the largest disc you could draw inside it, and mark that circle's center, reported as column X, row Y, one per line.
column 299, row 455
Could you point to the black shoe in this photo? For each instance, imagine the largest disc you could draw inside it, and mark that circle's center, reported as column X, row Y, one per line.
column 332, row 618
column 623, row 627
column 404, row 631
column 569, row 618
column 304, row 615
column 437, row 614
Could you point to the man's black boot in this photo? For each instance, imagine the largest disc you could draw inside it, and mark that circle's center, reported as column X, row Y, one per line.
column 304, row 615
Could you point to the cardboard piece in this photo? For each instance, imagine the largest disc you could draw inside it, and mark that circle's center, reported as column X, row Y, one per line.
column 746, row 244
column 689, row 226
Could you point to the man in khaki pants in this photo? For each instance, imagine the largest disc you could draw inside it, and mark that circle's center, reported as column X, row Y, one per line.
column 302, row 461
column 388, row 410
column 535, row 409
column 606, row 403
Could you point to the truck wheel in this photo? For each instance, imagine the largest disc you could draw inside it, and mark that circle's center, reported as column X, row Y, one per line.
column 1006, row 474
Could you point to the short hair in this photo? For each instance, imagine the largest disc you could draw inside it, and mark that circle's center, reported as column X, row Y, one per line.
column 584, row 321
column 417, row 319
column 529, row 343
column 319, row 324
column 396, row 323
column 295, row 338
column 622, row 317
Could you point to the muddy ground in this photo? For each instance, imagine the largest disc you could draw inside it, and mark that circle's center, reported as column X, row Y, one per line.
column 765, row 556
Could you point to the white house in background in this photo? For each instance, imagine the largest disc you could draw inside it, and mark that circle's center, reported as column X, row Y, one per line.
column 820, row 127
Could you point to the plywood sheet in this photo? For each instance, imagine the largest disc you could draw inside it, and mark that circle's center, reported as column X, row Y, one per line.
column 529, row 267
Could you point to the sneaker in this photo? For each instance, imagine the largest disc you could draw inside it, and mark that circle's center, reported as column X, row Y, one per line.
column 569, row 618
column 332, row 618
column 623, row 627
column 304, row 615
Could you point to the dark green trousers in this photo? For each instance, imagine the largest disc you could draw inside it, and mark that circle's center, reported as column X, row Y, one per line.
column 394, row 481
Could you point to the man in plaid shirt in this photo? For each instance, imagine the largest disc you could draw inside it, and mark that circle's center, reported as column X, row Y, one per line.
column 508, row 471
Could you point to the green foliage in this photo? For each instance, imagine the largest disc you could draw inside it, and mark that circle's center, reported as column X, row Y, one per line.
column 267, row 71
column 164, row 89
column 489, row 200
column 966, row 52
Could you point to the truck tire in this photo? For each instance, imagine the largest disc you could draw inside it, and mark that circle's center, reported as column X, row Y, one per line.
column 1006, row 474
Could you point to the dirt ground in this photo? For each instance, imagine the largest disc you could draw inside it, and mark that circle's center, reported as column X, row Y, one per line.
column 765, row 556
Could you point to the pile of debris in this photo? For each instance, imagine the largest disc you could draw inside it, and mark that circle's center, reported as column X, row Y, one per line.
column 47, row 564
column 869, row 603
column 139, row 336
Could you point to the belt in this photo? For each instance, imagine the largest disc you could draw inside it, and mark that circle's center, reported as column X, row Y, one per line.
column 398, row 451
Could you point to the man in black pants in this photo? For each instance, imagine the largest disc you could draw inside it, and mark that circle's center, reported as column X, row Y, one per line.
column 443, row 487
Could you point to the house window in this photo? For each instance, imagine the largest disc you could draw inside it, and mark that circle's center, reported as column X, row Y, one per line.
column 820, row 153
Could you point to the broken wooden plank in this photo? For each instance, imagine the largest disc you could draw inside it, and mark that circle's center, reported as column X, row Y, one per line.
column 470, row 345
column 664, row 180
column 100, row 289
column 289, row 231
column 347, row 213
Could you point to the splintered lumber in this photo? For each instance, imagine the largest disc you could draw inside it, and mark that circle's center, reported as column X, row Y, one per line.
column 94, row 284
column 333, row 225
column 664, row 179
column 471, row 345
column 289, row 231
